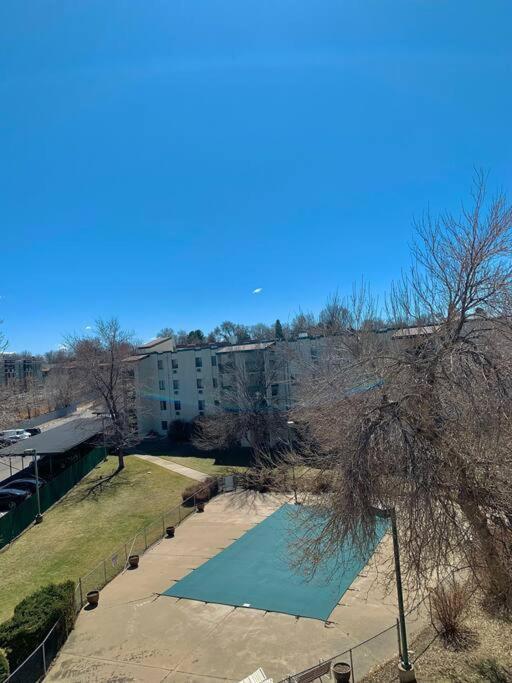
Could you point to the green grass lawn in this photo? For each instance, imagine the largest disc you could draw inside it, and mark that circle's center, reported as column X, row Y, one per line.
column 209, row 462
column 83, row 528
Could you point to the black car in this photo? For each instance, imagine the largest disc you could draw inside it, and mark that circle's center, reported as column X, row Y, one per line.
column 25, row 483
column 10, row 497
column 33, row 431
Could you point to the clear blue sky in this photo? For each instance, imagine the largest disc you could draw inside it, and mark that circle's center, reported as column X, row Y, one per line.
column 160, row 160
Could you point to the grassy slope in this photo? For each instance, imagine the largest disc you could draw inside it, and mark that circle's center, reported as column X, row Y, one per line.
column 82, row 529
column 209, row 462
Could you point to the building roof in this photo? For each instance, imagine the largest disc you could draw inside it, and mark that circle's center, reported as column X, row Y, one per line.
column 59, row 439
column 415, row 331
column 154, row 342
column 255, row 346
column 134, row 359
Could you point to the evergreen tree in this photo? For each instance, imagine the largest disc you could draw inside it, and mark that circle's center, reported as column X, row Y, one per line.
column 279, row 330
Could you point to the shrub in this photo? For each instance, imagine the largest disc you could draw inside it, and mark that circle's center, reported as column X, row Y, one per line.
column 318, row 483
column 202, row 490
column 490, row 670
column 449, row 603
column 262, row 479
column 180, row 431
column 33, row 618
column 4, row 666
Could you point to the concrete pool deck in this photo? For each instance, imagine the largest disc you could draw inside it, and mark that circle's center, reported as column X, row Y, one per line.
column 137, row 635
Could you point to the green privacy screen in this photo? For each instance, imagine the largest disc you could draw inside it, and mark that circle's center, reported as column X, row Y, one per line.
column 255, row 572
column 17, row 520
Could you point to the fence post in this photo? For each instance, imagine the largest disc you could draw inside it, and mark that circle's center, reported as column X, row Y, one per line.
column 44, row 657
column 399, row 639
column 145, row 540
column 352, row 665
column 81, row 593
column 105, row 570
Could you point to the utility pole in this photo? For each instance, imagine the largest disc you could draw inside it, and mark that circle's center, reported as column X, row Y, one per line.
column 30, row 452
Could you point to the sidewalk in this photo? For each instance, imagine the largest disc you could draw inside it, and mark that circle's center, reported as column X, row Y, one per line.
column 175, row 467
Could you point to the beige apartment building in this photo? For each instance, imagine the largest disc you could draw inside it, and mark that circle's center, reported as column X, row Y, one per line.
column 185, row 382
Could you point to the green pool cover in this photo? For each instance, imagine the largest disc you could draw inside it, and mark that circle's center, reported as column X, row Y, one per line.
column 255, row 572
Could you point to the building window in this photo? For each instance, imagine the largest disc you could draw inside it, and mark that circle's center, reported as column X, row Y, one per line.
column 199, row 362
column 214, row 361
column 217, row 403
column 163, row 405
column 164, row 425
column 215, row 383
column 274, row 389
column 199, row 383
column 177, row 405
column 176, row 384
column 200, row 405
column 174, row 364
column 178, row 413
column 161, row 385
column 160, row 364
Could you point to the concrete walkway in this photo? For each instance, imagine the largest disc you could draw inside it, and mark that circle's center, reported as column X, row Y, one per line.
column 170, row 465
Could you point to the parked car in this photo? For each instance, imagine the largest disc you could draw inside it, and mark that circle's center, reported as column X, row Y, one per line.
column 33, row 431
column 10, row 497
column 13, row 435
column 24, row 483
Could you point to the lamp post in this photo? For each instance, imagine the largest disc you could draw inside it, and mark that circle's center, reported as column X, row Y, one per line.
column 31, row 453
column 290, row 424
column 405, row 668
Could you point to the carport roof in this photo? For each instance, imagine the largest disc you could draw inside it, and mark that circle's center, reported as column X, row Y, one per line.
column 59, row 439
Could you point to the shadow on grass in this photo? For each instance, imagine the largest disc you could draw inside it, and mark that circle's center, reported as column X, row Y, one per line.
column 234, row 457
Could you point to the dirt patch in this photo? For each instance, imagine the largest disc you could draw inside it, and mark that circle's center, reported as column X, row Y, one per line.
column 487, row 656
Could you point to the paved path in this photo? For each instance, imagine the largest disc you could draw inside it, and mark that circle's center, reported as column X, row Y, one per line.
column 170, row 465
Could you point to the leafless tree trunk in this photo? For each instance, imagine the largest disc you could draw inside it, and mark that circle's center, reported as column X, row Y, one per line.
column 99, row 365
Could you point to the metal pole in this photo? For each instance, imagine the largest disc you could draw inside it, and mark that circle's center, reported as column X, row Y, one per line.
column 81, row 593
column 352, row 666
column 10, row 465
column 399, row 590
column 44, row 658
column 31, row 452
column 289, row 424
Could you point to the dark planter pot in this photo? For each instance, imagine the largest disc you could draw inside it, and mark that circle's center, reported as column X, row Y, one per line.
column 341, row 672
column 170, row 532
column 93, row 598
column 200, row 507
column 133, row 561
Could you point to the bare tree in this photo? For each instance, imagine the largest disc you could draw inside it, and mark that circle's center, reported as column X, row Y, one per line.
column 165, row 332
column 418, row 418
column 99, row 367
column 248, row 414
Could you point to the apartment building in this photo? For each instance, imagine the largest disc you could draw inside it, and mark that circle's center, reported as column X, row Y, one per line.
column 20, row 371
column 183, row 383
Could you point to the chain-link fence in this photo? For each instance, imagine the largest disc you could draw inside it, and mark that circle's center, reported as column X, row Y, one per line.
column 35, row 667
column 117, row 561
column 361, row 657
column 366, row 655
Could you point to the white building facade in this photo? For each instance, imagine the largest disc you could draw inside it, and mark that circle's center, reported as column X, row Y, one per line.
column 184, row 383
